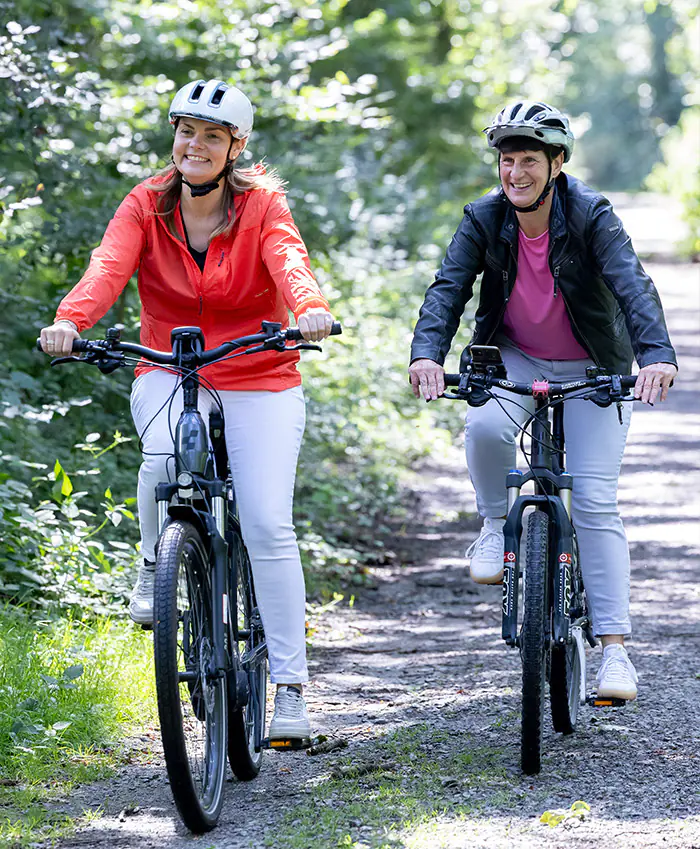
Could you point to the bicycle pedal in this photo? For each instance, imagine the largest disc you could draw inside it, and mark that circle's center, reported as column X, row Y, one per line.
column 290, row 744
column 605, row 701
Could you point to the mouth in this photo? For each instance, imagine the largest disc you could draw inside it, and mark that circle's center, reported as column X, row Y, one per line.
column 521, row 187
column 192, row 158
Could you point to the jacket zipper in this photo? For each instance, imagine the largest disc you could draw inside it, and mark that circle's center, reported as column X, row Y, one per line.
column 556, row 280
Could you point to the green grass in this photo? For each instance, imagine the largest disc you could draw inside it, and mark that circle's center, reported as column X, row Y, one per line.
column 419, row 776
column 69, row 689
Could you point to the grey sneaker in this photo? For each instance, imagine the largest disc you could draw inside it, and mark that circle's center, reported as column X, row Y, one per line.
column 616, row 678
column 141, row 603
column 486, row 553
column 290, row 719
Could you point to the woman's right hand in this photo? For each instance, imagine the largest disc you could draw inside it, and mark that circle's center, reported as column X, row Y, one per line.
column 427, row 377
column 57, row 340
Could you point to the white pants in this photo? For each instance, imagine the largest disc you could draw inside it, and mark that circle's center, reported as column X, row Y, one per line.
column 263, row 436
column 595, row 442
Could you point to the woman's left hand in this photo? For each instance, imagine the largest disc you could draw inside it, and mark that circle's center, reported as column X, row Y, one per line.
column 315, row 324
column 652, row 379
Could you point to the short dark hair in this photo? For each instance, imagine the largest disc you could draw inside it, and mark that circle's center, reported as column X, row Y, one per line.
column 516, row 144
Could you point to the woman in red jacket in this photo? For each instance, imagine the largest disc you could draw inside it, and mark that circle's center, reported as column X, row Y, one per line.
column 216, row 246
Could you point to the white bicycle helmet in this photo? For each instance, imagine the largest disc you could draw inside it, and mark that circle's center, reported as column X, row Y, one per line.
column 215, row 101
column 535, row 120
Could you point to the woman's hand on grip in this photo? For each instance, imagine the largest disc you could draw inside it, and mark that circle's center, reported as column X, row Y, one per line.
column 57, row 340
column 315, row 324
column 427, row 378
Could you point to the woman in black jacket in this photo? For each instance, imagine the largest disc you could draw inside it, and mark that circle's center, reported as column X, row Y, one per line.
column 562, row 289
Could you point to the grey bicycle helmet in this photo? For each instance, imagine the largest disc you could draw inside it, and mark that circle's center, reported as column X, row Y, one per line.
column 535, row 120
column 214, row 101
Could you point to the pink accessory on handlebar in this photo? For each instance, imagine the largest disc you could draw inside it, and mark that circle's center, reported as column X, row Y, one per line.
column 540, row 388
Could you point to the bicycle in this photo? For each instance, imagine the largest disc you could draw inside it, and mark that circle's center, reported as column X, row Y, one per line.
column 209, row 645
column 555, row 621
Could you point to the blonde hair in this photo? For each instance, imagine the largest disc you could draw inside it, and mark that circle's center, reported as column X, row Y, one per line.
column 168, row 183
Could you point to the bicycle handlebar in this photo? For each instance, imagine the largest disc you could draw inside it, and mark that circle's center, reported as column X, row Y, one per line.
column 275, row 341
column 539, row 388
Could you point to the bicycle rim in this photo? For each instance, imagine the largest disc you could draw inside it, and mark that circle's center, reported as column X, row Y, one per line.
column 533, row 642
column 191, row 702
column 247, row 723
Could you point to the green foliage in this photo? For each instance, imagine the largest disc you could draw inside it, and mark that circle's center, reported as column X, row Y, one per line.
column 68, row 691
column 373, row 114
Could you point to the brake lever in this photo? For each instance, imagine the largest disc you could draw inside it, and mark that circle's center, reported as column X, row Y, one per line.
column 303, row 346
column 60, row 360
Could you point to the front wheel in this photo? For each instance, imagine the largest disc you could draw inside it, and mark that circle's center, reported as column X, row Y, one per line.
column 191, row 694
column 534, row 640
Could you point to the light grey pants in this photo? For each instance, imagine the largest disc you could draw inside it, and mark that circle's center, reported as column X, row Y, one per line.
column 263, row 435
column 595, row 442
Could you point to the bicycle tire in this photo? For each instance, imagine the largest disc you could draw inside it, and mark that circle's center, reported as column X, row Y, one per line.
column 533, row 642
column 565, row 674
column 247, row 723
column 193, row 714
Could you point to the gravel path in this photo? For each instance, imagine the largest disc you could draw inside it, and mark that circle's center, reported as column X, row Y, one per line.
column 422, row 649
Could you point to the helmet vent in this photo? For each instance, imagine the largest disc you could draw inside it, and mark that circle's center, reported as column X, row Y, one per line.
column 515, row 111
column 197, row 92
column 532, row 111
column 218, row 95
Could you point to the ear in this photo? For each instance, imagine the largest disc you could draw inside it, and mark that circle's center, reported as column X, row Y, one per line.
column 557, row 164
column 237, row 148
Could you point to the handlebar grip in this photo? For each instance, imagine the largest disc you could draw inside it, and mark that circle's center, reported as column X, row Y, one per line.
column 78, row 345
column 294, row 334
column 452, row 379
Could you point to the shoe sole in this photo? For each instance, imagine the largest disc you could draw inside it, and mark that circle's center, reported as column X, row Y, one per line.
column 289, row 733
column 492, row 579
column 627, row 695
column 141, row 619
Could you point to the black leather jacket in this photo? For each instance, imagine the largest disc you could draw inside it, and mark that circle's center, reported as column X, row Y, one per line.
column 613, row 305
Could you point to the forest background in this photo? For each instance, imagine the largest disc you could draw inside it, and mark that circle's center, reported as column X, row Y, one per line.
column 373, row 114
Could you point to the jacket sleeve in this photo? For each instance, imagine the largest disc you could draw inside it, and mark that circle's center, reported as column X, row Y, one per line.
column 446, row 298
column 111, row 266
column 285, row 255
column 632, row 287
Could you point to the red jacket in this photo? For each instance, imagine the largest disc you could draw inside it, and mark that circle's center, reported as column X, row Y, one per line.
column 256, row 273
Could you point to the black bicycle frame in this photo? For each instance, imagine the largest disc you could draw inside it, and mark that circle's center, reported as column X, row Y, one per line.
column 552, row 495
column 195, row 474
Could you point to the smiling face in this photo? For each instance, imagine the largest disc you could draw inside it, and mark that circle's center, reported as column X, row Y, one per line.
column 525, row 173
column 201, row 149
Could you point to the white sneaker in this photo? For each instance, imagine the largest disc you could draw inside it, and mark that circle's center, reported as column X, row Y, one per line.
column 617, row 678
column 141, row 603
column 290, row 719
column 486, row 553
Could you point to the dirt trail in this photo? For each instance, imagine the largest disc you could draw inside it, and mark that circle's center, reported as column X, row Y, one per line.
column 423, row 649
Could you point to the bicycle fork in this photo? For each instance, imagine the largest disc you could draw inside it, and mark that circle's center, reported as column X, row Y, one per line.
column 557, row 507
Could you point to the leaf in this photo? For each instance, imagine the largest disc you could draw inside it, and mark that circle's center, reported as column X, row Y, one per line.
column 115, row 517
column 50, row 680
column 62, row 725
column 580, row 806
column 108, row 493
column 92, row 437
column 66, row 485
column 552, row 818
column 73, row 672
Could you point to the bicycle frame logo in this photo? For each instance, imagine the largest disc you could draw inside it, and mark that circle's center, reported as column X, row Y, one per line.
column 564, row 582
column 508, row 571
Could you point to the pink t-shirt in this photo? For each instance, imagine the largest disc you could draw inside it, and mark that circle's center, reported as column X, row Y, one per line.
column 534, row 319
